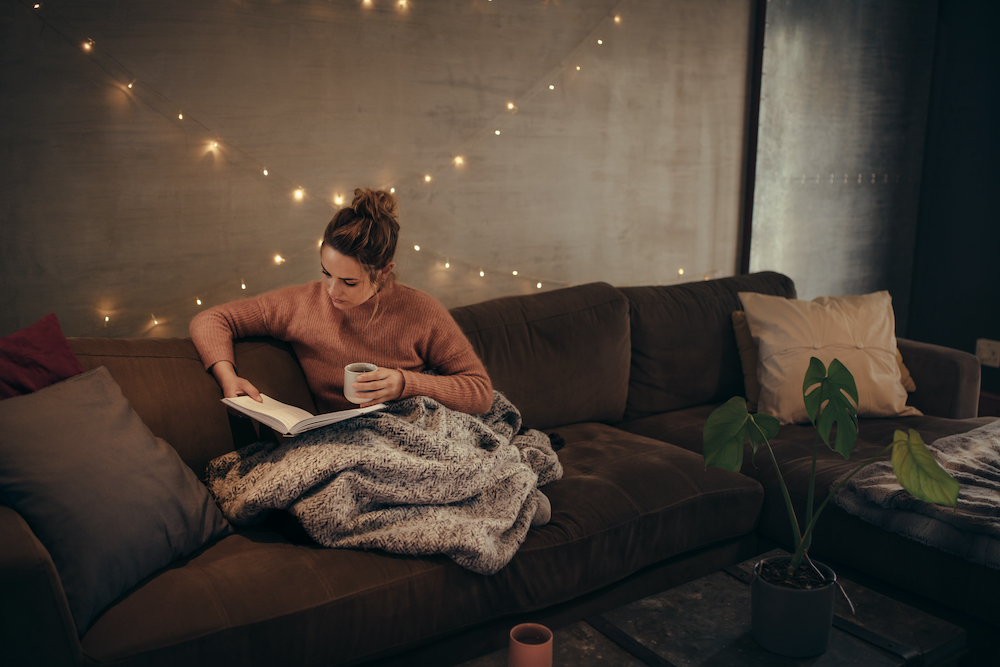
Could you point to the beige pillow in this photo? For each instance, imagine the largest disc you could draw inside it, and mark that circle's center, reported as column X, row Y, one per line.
column 748, row 360
column 859, row 330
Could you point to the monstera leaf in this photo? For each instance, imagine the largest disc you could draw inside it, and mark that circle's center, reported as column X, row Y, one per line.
column 728, row 427
column 919, row 472
column 826, row 398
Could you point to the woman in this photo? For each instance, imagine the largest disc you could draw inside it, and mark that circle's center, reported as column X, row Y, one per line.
column 357, row 312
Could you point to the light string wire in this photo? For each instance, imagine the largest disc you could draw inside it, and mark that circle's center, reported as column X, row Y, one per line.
column 139, row 90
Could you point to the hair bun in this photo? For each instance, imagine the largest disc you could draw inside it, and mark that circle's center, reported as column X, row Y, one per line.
column 374, row 204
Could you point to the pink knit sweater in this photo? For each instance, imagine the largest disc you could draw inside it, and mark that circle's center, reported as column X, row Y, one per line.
column 411, row 332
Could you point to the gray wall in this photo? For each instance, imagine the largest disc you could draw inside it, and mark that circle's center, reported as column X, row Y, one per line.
column 843, row 116
column 628, row 170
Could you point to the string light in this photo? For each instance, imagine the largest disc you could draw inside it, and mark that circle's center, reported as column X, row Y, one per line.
column 392, row 191
column 338, row 200
column 37, row 5
column 496, row 132
column 481, row 273
column 265, row 172
column 447, row 265
column 459, row 161
column 278, row 259
column 680, row 272
column 243, row 285
column 577, row 68
column 600, row 41
column 130, row 85
column 539, row 286
column 154, row 319
column 417, row 248
column 618, row 19
column 299, row 194
column 106, row 318
column 180, row 116
column 513, row 273
column 198, row 301
column 427, row 178
column 551, row 87
column 88, row 44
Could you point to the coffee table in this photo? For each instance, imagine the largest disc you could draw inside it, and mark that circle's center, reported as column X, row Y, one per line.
column 706, row 623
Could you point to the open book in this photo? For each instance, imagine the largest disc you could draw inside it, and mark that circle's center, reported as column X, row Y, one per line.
column 287, row 419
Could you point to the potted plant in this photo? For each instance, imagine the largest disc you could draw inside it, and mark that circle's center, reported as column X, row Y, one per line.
column 796, row 590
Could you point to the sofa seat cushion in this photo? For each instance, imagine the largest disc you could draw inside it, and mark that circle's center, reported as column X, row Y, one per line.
column 624, row 502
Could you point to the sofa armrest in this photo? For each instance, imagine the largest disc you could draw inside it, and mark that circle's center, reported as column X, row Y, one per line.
column 947, row 379
column 36, row 627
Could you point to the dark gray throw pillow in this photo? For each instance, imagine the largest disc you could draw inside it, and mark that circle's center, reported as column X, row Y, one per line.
column 111, row 502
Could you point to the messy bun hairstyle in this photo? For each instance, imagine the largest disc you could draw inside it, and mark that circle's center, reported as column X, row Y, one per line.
column 366, row 231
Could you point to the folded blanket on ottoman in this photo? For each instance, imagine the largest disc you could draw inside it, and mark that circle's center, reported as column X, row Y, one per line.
column 972, row 530
column 415, row 478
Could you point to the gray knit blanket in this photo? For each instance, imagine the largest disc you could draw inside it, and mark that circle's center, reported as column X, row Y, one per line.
column 972, row 530
column 415, row 478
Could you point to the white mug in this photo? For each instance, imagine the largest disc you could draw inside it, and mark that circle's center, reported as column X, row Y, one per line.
column 351, row 373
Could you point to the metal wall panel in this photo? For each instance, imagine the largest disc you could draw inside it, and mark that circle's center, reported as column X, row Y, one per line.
column 843, row 114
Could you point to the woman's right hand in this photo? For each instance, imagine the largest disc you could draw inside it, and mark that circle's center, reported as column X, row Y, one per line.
column 232, row 384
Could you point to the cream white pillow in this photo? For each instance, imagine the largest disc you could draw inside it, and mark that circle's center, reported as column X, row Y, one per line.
column 859, row 330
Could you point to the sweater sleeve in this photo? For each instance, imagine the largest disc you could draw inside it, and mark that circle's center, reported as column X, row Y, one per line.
column 461, row 382
column 214, row 330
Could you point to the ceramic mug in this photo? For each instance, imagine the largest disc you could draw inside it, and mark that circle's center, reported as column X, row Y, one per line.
column 351, row 373
column 530, row 646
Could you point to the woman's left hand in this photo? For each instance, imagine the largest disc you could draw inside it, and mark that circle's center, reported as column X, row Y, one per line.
column 385, row 384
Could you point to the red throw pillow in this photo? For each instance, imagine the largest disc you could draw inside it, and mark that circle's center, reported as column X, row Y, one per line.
column 35, row 357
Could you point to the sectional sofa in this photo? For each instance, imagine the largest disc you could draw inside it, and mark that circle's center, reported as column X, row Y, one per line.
column 625, row 376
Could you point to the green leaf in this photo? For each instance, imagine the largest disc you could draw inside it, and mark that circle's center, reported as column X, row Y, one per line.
column 826, row 399
column 728, row 427
column 919, row 472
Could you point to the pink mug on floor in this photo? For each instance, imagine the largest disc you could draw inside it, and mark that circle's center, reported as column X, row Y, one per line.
column 530, row 646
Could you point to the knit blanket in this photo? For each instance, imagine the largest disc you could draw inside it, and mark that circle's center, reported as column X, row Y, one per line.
column 414, row 478
column 972, row 530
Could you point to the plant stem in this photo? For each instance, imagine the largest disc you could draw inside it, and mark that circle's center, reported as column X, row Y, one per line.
column 835, row 490
column 784, row 489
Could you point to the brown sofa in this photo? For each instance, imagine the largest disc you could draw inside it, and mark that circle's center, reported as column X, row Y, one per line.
column 626, row 377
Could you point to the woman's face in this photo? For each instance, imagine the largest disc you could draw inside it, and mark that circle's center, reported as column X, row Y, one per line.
column 344, row 280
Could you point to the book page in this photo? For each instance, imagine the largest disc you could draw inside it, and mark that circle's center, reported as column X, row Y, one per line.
column 289, row 415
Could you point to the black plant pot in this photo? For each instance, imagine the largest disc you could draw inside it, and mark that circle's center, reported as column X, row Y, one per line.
column 789, row 621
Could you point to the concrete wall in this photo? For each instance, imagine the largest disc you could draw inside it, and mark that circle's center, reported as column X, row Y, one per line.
column 628, row 169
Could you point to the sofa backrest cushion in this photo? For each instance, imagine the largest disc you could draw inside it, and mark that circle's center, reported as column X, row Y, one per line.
column 684, row 350
column 166, row 384
column 561, row 357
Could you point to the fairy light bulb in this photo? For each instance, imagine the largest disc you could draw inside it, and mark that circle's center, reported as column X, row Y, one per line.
column 243, row 285
column 130, row 86
column 37, row 5
column 198, row 301
column 265, row 172
column 338, row 200
column 618, row 19
column 577, row 68
column 538, row 285
column 106, row 317
column 680, row 272
column 299, row 194
column 427, row 178
column 417, row 248
column 481, row 274
column 496, row 132
column 88, row 44
column 392, row 191
column 513, row 273
column 447, row 265
column 278, row 259
column 459, row 161
column 154, row 319
column 510, row 105
column 600, row 41
column 551, row 87
column 180, row 116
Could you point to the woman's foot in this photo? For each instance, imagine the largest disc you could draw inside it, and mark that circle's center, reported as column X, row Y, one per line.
column 544, row 510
